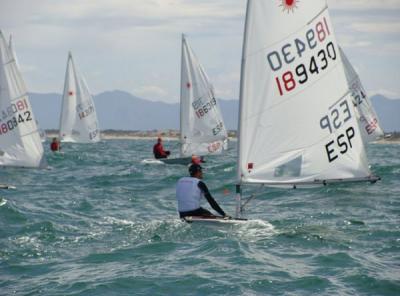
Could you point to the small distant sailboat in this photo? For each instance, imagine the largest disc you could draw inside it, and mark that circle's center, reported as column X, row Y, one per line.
column 202, row 129
column 367, row 117
column 297, row 121
column 42, row 133
column 20, row 144
column 78, row 121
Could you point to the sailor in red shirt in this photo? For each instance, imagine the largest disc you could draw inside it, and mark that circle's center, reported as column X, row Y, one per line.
column 158, row 150
column 55, row 145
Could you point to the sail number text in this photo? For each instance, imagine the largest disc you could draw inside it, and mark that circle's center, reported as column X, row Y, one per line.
column 360, row 99
column 214, row 147
column 202, row 109
column 84, row 111
column 336, row 118
column 216, row 130
column 15, row 114
column 292, row 51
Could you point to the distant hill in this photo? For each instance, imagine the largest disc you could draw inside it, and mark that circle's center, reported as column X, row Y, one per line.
column 122, row 111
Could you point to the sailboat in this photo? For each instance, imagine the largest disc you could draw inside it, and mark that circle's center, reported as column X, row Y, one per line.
column 367, row 117
column 297, row 123
column 42, row 133
column 78, row 121
column 202, row 129
column 20, row 144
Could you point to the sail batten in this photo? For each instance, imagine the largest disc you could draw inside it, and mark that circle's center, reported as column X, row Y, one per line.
column 203, row 131
column 297, row 121
column 78, row 120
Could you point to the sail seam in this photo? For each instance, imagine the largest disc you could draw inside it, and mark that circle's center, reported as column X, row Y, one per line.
column 315, row 17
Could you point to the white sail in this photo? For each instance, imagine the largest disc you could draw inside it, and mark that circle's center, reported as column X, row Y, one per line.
column 20, row 144
column 78, row 122
column 42, row 133
column 202, row 128
column 297, row 121
column 12, row 51
column 367, row 118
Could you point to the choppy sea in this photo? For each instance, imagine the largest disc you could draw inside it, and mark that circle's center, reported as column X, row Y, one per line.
column 100, row 222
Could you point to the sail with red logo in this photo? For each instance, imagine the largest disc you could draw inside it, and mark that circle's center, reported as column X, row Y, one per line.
column 202, row 128
column 78, row 120
column 297, row 122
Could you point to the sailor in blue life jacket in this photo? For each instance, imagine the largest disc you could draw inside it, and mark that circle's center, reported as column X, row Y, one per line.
column 189, row 192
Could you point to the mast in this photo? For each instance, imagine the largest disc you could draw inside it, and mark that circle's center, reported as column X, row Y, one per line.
column 60, row 131
column 181, row 94
column 241, row 98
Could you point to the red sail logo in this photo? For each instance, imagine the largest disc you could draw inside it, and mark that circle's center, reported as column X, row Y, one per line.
column 288, row 5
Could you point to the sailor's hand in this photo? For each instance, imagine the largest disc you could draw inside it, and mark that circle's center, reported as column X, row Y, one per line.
column 227, row 217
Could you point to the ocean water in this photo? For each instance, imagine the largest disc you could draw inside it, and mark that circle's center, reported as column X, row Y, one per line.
column 100, row 222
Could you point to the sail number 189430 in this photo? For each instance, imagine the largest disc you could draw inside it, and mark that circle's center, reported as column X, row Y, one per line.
column 289, row 52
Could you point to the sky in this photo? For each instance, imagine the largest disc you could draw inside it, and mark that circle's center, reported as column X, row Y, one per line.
column 135, row 45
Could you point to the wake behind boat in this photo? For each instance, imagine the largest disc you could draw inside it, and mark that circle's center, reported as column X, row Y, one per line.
column 214, row 220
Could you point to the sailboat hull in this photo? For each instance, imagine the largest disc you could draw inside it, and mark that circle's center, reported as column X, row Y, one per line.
column 213, row 220
column 181, row 161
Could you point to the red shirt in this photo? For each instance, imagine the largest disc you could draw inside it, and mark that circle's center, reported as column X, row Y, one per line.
column 158, row 151
column 55, row 146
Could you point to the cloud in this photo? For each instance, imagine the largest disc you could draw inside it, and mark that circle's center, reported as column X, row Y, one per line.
column 134, row 45
column 387, row 93
column 376, row 27
column 348, row 41
column 132, row 13
column 152, row 92
column 227, row 84
column 364, row 4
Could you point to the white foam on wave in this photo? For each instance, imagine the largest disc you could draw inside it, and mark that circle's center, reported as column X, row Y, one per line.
column 113, row 220
column 3, row 201
column 151, row 161
column 254, row 230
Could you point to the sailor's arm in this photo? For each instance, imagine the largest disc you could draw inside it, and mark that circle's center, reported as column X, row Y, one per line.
column 210, row 199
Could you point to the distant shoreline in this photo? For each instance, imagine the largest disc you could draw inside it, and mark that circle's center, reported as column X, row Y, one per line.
column 135, row 135
column 392, row 138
